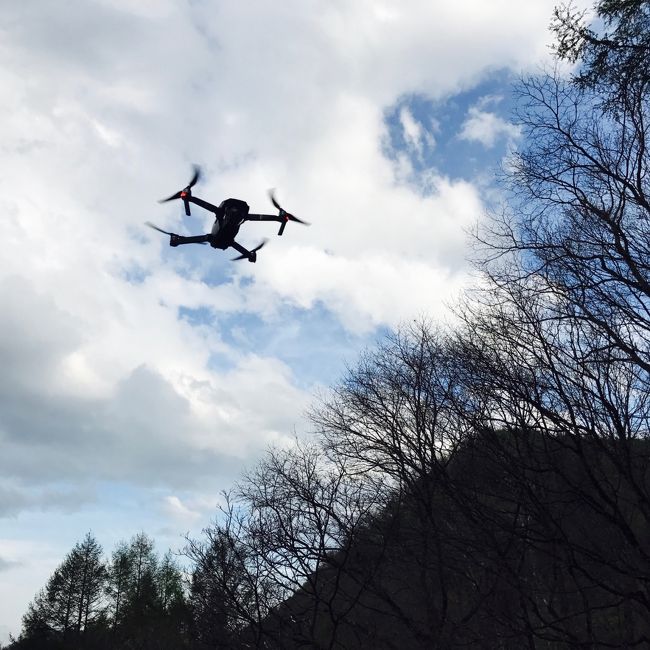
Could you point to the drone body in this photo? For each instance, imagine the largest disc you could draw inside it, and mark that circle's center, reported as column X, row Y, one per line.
column 229, row 217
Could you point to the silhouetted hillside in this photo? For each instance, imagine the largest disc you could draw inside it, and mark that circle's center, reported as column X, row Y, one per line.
column 522, row 541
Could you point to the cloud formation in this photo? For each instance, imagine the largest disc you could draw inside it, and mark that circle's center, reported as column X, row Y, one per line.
column 487, row 127
column 7, row 564
column 104, row 106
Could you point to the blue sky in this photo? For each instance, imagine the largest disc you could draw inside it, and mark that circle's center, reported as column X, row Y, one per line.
column 462, row 135
column 139, row 381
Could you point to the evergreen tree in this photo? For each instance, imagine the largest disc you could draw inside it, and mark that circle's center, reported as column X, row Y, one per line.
column 173, row 611
column 132, row 591
column 89, row 608
column 118, row 577
column 170, row 584
column 616, row 61
column 142, row 596
column 146, row 597
column 133, row 601
column 70, row 604
column 208, row 598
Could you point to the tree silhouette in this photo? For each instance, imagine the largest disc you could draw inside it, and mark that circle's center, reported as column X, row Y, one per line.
column 70, row 604
column 133, row 601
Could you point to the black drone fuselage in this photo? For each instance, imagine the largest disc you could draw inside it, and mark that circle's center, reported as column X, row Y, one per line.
column 230, row 216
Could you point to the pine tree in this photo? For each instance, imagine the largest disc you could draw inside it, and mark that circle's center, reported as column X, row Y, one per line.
column 616, row 61
column 142, row 596
column 173, row 614
column 170, row 584
column 71, row 602
column 117, row 584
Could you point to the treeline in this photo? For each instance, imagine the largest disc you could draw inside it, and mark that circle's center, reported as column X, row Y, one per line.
column 486, row 486
column 134, row 599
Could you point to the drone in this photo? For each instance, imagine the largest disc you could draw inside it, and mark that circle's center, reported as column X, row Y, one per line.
column 229, row 217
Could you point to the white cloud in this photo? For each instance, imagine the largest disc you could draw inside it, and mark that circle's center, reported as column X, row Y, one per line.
column 181, row 514
column 375, row 289
column 174, row 424
column 103, row 107
column 486, row 127
column 415, row 135
column 5, row 565
column 15, row 499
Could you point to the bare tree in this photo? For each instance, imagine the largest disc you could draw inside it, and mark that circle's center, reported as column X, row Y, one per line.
column 275, row 558
column 487, row 487
column 558, row 347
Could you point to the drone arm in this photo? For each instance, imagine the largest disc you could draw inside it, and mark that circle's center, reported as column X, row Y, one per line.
column 202, row 204
column 283, row 218
column 194, row 239
column 270, row 217
column 243, row 253
column 263, row 217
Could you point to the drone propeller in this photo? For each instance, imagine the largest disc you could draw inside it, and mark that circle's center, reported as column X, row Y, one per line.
column 187, row 191
column 171, row 234
column 286, row 216
column 152, row 225
column 253, row 254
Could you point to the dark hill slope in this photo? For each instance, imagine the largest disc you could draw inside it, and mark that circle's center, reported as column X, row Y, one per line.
column 518, row 541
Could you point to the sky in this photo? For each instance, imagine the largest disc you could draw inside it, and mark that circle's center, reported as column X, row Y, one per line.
column 139, row 381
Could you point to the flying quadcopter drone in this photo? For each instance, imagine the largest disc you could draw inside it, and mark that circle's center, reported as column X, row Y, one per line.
column 229, row 217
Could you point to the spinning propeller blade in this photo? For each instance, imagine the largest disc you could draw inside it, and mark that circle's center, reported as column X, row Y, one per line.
column 274, row 200
column 187, row 191
column 195, row 178
column 171, row 198
column 286, row 216
column 151, row 225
